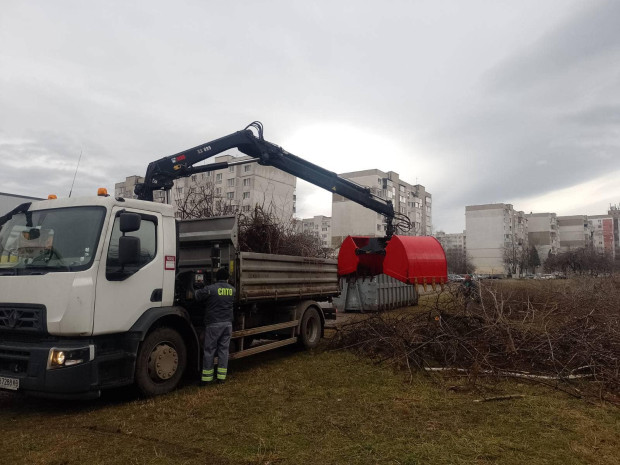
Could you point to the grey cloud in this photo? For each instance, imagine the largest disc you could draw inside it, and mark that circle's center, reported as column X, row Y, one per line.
column 598, row 116
column 128, row 85
column 589, row 34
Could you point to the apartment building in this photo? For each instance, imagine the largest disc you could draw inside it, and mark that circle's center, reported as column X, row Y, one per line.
column 543, row 234
column 495, row 232
column 350, row 218
column 319, row 226
column 452, row 241
column 236, row 188
column 601, row 228
column 614, row 213
column 574, row 232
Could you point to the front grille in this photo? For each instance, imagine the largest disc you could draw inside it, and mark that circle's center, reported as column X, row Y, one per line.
column 13, row 361
column 21, row 317
column 26, row 337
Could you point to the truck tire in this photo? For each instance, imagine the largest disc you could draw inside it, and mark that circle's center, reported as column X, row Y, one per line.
column 310, row 329
column 161, row 361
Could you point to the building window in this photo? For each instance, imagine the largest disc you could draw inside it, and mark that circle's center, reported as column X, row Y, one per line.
column 218, row 191
column 247, row 168
column 246, row 182
column 231, row 169
column 230, row 195
column 246, row 195
column 231, row 182
column 218, row 178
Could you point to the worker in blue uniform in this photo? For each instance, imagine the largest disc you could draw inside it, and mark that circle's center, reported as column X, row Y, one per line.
column 219, row 298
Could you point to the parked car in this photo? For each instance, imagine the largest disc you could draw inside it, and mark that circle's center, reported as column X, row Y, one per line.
column 455, row 278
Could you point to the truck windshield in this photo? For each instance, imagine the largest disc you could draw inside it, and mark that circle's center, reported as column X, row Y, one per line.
column 56, row 240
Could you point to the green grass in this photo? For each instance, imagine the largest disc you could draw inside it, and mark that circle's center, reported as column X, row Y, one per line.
column 323, row 407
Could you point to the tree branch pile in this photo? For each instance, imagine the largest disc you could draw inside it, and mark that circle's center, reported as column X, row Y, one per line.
column 260, row 231
column 559, row 332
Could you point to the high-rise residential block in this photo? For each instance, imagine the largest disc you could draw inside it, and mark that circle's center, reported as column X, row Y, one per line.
column 602, row 234
column 319, row 226
column 236, row 188
column 452, row 241
column 413, row 201
column 543, row 234
column 614, row 213
column 574, row 232
column 496, row 237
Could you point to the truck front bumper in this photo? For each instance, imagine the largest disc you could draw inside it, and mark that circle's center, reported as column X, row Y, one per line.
column 28, row 362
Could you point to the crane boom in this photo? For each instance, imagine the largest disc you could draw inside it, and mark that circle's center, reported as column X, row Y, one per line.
column 160, row 174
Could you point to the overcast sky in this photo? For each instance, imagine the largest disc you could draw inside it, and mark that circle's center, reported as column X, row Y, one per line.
column 479, row 101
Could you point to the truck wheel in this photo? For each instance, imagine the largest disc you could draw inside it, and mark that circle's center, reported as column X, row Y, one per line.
column 161, row 362
column 310, row 329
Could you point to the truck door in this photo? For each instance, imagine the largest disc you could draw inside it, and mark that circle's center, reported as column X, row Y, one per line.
column 125, row 293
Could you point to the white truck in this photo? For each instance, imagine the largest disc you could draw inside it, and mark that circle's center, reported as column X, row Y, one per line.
column 97, row 293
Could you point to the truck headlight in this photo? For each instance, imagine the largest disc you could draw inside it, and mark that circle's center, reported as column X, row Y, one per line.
column 59, row 358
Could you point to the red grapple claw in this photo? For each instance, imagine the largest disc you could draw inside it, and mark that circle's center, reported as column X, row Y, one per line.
column 410, row 259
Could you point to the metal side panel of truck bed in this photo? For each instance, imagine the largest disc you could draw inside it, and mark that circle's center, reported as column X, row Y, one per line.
column 264, row 276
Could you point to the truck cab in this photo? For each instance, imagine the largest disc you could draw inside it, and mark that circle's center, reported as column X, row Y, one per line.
column 65, row 295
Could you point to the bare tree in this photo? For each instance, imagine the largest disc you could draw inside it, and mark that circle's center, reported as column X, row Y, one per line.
column 516, row 257
column 459, row 262
column 260, row 230
column 580, row 261
column 202, row 201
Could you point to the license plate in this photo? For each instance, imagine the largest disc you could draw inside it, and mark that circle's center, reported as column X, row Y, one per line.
column 9, row 383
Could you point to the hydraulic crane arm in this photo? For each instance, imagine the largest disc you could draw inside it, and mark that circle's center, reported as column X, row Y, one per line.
column 413, row 260
column 160, row 174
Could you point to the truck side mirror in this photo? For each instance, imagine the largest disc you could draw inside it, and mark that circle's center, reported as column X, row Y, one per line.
column 129, row 222
column 128, row 250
